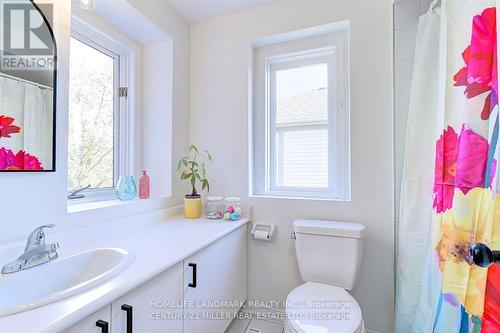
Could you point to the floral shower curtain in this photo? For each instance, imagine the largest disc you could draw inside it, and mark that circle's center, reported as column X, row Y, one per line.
column 438, row 289
column 26, row 125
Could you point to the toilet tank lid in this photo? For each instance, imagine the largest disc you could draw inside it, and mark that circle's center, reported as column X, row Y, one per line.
column 329, row 228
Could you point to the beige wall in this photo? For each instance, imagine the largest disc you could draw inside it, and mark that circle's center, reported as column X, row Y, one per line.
column 220, row 55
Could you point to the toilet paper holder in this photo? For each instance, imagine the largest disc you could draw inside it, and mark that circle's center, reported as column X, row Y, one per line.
column 265, row 232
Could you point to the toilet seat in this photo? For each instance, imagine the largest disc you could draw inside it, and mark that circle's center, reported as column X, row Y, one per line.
column 320, row 308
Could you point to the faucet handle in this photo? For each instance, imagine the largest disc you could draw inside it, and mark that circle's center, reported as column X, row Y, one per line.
column 37, row 237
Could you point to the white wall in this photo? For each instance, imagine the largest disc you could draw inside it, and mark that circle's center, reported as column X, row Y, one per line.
column 220, row 55
column 157, row 116
column 31, row 199
column 406, row 16
column 164, row 18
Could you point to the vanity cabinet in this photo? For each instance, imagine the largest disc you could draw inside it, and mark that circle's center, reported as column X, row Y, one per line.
column 215, row 284
column 202, row 293
column 88, row 324
column 155, row 306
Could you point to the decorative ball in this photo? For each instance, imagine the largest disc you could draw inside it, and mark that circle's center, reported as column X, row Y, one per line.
column 238, row 210
column 219, row 213
column 230, row 209
column 227, row 216
column 235, row 216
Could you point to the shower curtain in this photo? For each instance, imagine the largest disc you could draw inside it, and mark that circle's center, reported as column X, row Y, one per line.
column 29, row 108
column 38, row 123
column 450, row 180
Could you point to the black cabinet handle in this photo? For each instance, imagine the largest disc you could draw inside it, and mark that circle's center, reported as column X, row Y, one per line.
column 103, row 325
column 483, row 256
column 128, row 309
column 193, row 284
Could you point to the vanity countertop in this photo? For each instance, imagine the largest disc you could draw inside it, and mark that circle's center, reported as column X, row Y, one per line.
column 156, row 243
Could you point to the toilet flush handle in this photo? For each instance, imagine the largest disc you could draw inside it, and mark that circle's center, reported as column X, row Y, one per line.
column 292, row 235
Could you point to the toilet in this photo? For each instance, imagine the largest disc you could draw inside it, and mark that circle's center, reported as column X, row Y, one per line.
column 329, row 257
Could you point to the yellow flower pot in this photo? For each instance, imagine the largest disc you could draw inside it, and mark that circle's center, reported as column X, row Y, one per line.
column 192, row 207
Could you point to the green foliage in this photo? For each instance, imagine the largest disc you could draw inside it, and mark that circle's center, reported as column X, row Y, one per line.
column 193, row 169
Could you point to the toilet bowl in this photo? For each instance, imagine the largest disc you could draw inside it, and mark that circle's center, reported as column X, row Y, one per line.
column 329, row 256
column 320, row 308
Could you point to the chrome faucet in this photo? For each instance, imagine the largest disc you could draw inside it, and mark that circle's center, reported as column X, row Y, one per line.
column 35, row 253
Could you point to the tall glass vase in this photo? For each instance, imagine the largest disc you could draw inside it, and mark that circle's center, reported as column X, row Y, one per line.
column 126, row 189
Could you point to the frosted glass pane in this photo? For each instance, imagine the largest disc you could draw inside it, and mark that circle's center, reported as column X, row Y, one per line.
column 303, row 158
column 91, row 111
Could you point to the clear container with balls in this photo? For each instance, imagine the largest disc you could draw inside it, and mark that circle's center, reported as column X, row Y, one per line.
column 215, row 208
column 232, row 209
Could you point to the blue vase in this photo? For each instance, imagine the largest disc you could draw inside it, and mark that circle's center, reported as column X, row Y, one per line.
column 126, row 189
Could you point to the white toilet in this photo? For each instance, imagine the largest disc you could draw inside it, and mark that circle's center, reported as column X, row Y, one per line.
column 329, row 257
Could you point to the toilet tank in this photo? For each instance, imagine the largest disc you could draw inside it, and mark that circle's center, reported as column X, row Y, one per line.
column 329, row 252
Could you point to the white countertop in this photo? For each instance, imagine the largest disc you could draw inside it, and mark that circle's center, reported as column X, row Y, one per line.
column 157, row 243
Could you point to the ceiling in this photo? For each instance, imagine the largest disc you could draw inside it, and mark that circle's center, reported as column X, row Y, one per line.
column 201, row 10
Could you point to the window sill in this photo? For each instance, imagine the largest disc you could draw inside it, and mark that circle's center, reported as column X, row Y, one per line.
column 291, row 197
column 115, row 205
column 76, row 206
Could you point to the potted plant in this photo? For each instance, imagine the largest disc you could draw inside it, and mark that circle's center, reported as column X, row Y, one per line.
column 193, row 169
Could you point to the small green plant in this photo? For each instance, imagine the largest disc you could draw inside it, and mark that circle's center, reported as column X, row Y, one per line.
column 192, row 168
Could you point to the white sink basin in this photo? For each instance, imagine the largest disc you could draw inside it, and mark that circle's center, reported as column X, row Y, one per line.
column 60, row 278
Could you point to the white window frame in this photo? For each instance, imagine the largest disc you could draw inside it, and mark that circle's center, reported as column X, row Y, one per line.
column 123, row 119
column 283, row 62
column 329, row 48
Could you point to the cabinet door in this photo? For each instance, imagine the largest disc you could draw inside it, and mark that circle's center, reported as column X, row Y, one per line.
column 220, row 288
column 155, row 306
column 89, row 324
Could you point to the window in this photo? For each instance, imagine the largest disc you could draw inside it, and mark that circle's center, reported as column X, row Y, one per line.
column 99, row 142
column 300, row 100
column 92, row 149
column 299, row 123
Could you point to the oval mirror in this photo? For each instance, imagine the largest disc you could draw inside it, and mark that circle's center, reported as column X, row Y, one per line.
column 27, row 87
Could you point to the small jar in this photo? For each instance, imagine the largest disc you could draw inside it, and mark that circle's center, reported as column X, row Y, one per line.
column 214, row 208
column 233, row 207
